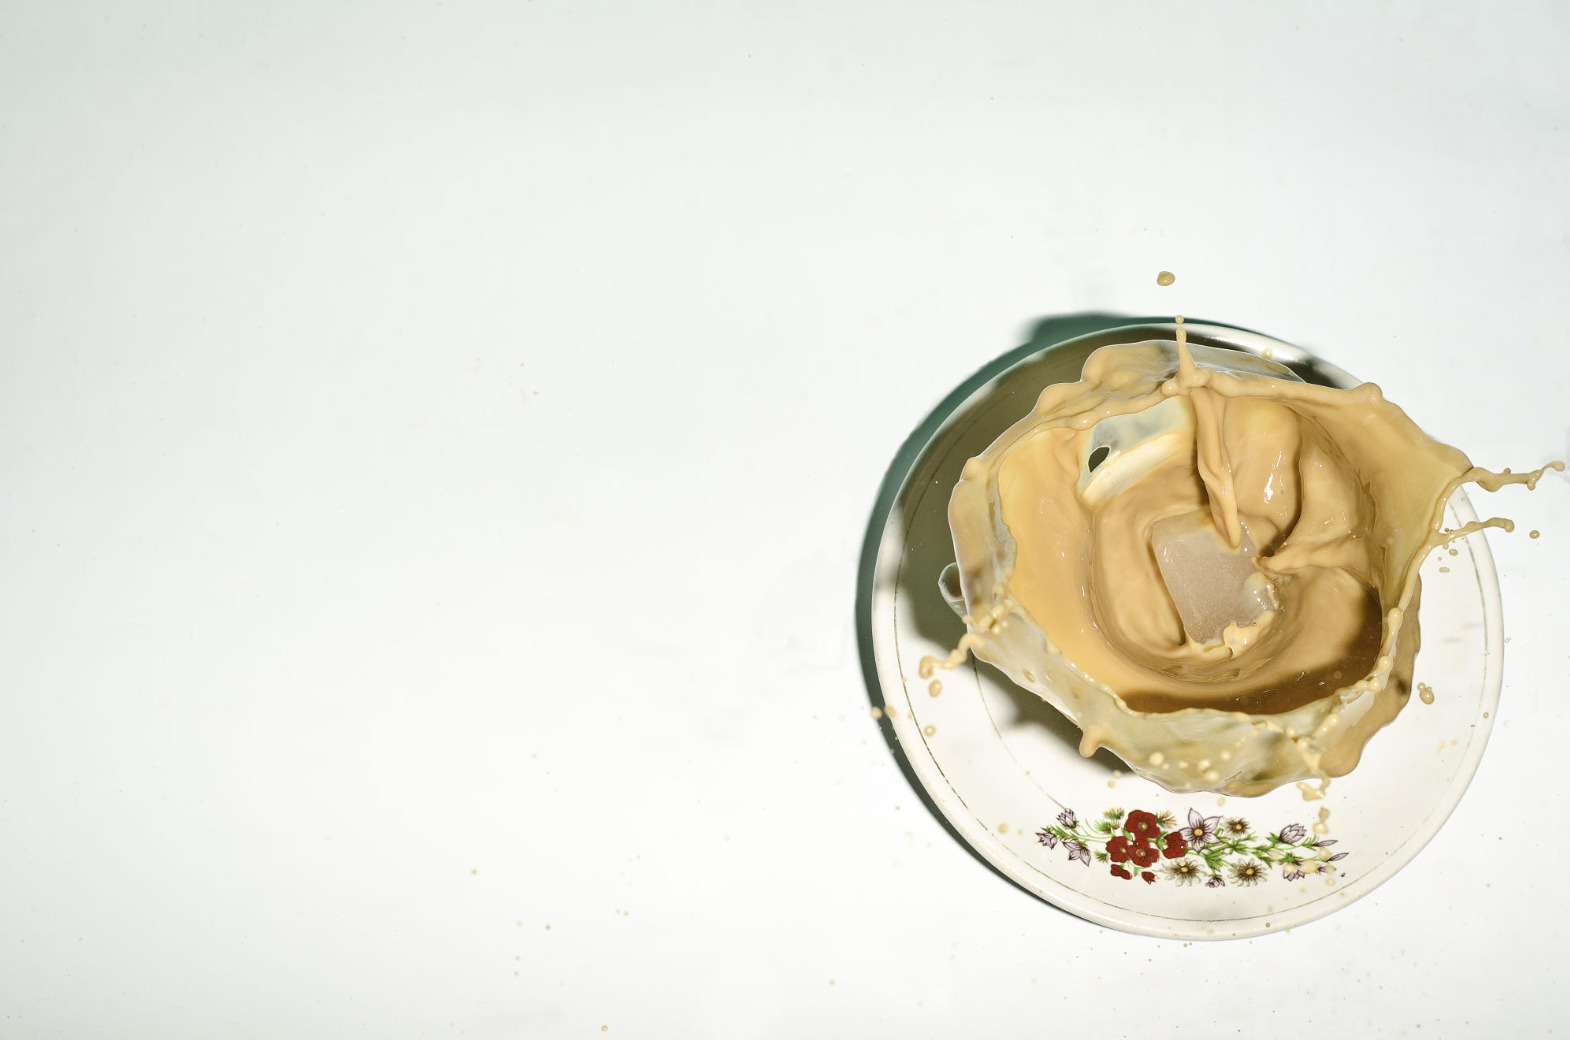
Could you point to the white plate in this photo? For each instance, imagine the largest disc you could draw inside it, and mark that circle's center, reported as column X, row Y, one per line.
column 1002, row 767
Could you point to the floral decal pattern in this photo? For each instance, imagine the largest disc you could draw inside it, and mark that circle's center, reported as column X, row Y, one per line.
column 1210, row 850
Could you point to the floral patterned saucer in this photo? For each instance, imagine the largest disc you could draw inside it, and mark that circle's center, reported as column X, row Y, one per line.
column 1002, row 767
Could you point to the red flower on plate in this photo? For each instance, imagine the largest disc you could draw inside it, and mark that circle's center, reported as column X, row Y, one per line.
column 1120, row 872
column 1143, row 854
column 1142, row 825
column 1117, row 848
column 1147, row 877
column 1176, row 847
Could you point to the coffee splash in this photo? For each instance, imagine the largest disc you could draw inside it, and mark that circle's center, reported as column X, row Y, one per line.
column 1207, row 564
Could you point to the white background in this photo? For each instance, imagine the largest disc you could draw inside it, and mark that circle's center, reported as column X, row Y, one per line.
column 436, row 441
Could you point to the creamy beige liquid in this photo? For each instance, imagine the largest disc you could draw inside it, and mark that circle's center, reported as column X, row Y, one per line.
column 1320, row 504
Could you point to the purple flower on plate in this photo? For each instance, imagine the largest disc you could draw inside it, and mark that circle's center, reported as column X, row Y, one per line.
column 1214, row 882
column 1076, row 851
column 1047, row 838
column 1067, row 818
column 1201, row 830
column 1291, row 871
column 1339, row 855
column 1323, row 842
column 1293, row 833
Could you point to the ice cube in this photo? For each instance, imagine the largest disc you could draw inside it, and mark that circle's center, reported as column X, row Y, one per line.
column 1212, row 584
